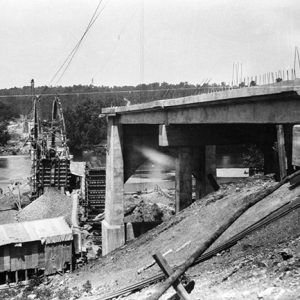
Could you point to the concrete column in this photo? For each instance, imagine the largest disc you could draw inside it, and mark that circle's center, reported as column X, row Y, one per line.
column 183, row 178
column 113, row 234
column 208, row 166
column 281, row 152
column 288, row 143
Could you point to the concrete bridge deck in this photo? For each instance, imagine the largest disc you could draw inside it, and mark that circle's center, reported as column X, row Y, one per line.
column 275, row 103
column 189, row 129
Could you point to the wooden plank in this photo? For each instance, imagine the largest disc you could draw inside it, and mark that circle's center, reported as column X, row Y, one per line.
column 161, row 261
column 6, row 258
column 2, row 259
column 16, row 276
column 34, row 255
column 41, row 256
column 281, row 152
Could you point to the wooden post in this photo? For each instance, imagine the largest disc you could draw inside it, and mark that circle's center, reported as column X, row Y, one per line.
column 16, row 276
column 161, row 261
column 281, row 152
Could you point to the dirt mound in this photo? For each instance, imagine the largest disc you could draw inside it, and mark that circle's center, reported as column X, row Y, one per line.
column 50, row 205
column 145, row 212
column 181, row 234
column 155, row 206
column 263, row 265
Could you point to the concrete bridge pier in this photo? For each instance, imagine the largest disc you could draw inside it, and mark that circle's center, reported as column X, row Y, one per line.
column 208, row 167
column 113, row 233
column 183, row 178
column 200, row 162
column 204, row 163
column 252, row 115
column 194, row 157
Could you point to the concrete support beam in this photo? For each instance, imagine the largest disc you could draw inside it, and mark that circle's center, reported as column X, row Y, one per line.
column 200, row 135
column 264, row 109
column 183, row 178
column 113, row 234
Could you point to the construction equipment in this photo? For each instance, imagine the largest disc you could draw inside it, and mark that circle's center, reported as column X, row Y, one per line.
column 50, row 162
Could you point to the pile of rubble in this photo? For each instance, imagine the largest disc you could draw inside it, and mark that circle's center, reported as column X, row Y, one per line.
column 50, row 205
column 154, row 206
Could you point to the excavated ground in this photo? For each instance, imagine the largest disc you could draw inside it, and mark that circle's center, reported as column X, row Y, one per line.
column 264, row 265
column 182, row 233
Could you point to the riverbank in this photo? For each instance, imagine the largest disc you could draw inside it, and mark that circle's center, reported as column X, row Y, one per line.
column 18, row 133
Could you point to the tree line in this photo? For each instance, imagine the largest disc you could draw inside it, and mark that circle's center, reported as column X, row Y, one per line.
column 82, row 104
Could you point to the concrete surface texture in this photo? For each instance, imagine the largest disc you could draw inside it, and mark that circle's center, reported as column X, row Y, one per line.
column 190, row 228
column 188, row 129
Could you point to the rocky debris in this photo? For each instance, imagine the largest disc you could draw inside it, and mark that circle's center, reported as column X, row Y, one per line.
column 149, row 212
column 56, row 288
column 50, row 205
column 155, row 206
column 145, row 212
column 265, row 265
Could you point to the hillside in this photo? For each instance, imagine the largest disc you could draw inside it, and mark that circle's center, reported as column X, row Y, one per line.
column 20, row 97
column 257, row 259
column 263, row 265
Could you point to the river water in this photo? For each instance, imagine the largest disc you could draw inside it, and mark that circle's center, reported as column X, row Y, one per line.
column 17, row 167
column 13, row 167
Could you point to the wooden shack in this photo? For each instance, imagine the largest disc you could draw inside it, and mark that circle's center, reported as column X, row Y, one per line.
column 29, row 247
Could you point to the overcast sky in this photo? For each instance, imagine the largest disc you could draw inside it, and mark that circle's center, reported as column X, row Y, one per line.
column 184, row 40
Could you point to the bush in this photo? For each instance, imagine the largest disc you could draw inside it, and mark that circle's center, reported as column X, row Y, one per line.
column 87, row 287
column 64, row 294
column 44, row 293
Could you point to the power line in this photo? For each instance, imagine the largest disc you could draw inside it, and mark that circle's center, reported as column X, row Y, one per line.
column 116, row 44
column 202, row 88
column 65, row 65
column 102, row 92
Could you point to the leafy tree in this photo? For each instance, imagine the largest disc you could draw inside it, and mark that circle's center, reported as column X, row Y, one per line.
column 84, row 128
column 6, row 114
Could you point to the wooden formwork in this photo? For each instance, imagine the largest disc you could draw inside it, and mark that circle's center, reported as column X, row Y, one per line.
column 94, row 191
column 53, row 173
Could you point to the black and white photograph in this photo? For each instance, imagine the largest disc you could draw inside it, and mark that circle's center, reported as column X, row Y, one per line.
column 149, row 149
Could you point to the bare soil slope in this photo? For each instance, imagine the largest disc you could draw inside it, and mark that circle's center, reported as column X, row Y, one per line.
column 181, row 235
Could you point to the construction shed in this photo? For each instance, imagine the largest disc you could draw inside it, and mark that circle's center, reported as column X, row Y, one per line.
column 27, row 248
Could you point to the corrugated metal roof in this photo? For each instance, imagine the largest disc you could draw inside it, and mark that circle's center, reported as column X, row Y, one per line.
column 46, row 230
